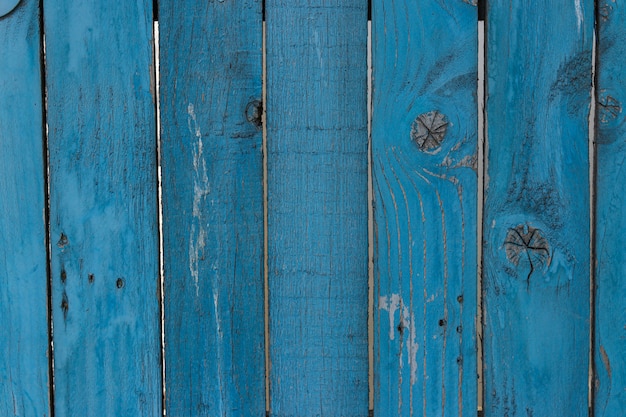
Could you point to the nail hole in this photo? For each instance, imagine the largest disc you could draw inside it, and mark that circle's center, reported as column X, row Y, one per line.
column 63, row 276
column 459, row 298
column 119, row 283
column 459, row 329
column 91, row 278
column 65, row 305
column 62, row 241
column 442, row 322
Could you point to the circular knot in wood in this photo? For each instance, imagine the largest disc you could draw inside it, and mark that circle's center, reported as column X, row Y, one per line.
column 428, row 130
column 526, row 243
column 254, row 113
column 609, row 109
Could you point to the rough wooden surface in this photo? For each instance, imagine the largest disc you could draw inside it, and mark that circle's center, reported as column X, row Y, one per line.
column 610, row 219
column 211, row 82
column 536, row 223
column 24, row 381
column 103, row 208
column 317, row 207
column 424, row 151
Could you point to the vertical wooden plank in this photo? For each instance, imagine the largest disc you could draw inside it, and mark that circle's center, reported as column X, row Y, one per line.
column 536, row 228
column 424, row 152
column 610, row 218
column 23, row 277
column 317, row 206
column 103, row 208
column 211, row 91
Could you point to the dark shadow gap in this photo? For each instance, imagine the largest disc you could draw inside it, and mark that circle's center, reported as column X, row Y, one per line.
column 46, row 182
column 157, row 129
column 482, row 144
column 592, row 210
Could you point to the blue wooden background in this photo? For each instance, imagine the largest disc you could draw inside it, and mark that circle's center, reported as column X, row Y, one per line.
column 211, row 151
column 424, row 164
column 536, row 288
column 184, row 208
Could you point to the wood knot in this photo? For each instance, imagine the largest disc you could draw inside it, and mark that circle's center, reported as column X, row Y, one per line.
column 527, row 243
column 608, row 109
column 254, row 113
column 428, row 131
column 604, row 11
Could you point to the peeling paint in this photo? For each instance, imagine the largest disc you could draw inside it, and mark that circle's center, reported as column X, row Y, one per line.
column 390, row 304
column 395, row 303
column 579, row 15
column 201, row 188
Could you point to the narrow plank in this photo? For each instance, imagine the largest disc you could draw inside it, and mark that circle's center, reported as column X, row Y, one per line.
column 103, row 208
column 424, row 152
column 23, row 260
column 536, row 228
column 317, row 206
column 211, row 87
column 610, row 218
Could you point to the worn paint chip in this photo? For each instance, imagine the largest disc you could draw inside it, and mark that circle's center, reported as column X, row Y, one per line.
column 394, row 303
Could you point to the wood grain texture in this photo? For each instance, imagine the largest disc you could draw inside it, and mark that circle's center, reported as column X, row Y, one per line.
column 610, row 219
column 24, row 350
column 317, row 207
column 424, row 151
column 103, row 208
column 536, row 227
column 211, row 87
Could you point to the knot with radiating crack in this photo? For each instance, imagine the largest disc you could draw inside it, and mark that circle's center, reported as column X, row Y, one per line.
column 609, row 108
column 526, row 243
column 428, row 130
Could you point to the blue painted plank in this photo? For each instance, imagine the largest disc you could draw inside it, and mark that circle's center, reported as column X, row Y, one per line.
column 317, row 207
column 424, row 152
column 536, row 227
column 211, row 91
column 610, row 217
column 23, row 278
column 103, row 208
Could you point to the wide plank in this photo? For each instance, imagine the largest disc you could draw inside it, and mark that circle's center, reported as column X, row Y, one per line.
column 103, row 208
column 317, row 207
column 212, row 167
column 536, row 221
column 610, row 216
column 424, row 163
column 24, row 347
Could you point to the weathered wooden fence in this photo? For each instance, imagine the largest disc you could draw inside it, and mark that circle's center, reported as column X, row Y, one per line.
column 263, row 304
